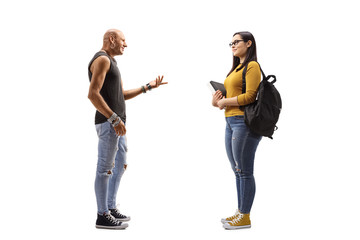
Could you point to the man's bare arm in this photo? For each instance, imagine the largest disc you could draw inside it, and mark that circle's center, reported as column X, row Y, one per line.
column 99, row 68
column 128, row 94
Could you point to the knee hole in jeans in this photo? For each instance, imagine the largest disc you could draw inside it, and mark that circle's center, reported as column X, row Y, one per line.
column 105, row 173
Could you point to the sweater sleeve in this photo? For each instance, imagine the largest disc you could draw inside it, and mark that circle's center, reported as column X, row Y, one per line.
column 253, row 78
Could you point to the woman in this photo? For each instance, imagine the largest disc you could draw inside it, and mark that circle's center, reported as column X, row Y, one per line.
column 240, row 142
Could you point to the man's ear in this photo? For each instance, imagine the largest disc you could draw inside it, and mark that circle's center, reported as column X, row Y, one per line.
column 111, row 38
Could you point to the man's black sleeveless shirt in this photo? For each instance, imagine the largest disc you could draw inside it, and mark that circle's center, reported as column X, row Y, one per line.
column 111, row 90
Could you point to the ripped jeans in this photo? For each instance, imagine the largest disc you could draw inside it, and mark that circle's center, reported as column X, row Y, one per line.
column 241, row 146
column 110, row 166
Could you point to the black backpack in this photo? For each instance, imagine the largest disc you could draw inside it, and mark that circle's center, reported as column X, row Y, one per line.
column 262, row 115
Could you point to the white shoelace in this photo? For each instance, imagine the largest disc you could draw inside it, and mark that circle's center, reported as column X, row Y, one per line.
column 111, row 218
column 237, row 219
column 237, row 212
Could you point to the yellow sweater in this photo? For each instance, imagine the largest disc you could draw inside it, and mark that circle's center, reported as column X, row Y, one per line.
column 233, row 86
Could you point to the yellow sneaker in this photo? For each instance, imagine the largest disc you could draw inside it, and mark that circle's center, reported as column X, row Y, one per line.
column 229, row 219
column 242, row 221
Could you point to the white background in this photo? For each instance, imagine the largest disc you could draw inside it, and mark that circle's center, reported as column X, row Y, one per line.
column 179, row 183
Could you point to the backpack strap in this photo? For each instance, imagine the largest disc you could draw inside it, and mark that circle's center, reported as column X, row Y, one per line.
column 242, row 108
column 244, row 81
column 244, row 77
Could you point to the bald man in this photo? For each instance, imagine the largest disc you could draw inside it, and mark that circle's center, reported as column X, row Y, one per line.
column 108, row 96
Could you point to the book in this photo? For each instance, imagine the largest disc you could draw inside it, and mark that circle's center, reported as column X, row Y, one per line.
column 214, row 86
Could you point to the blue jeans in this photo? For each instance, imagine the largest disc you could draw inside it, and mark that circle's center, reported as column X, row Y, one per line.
column 110, row 166
column 241, row 146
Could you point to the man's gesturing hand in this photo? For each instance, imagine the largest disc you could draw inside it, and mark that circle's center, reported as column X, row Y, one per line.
column 156, row 83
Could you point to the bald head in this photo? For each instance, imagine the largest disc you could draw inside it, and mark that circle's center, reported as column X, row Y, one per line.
column 115, row 33
column 114, row 42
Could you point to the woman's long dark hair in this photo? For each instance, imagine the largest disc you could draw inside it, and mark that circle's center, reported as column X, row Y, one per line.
column 250, row 54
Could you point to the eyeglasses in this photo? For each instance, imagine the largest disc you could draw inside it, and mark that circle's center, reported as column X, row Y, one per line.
column 235, row 42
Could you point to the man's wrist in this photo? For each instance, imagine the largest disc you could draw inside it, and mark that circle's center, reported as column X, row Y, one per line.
column 112, row 118
column 149, row 86
column 117, row 122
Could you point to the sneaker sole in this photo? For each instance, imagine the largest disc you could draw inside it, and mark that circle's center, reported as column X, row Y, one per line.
column 122, row 226
column 236, row 227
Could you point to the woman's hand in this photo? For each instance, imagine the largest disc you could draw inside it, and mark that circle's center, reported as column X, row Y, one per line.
column 221, row 103
column 216, row 98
